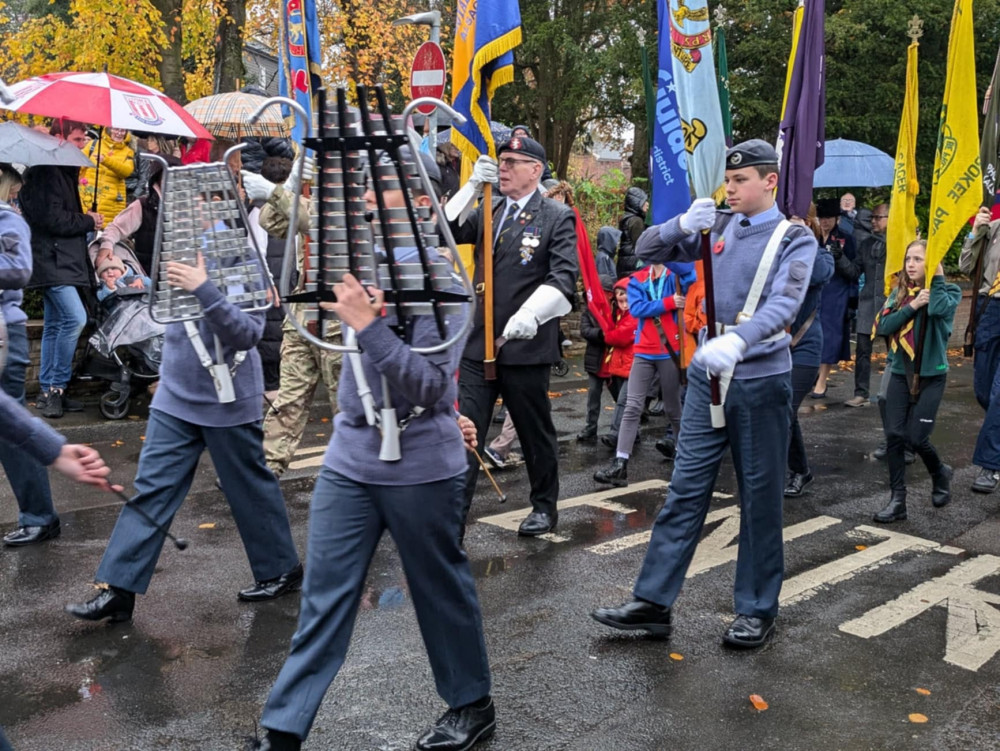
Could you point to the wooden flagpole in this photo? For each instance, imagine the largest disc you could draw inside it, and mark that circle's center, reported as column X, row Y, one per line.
column 490, row 362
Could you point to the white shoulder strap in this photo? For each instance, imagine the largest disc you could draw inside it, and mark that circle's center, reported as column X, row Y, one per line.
column 764, row 269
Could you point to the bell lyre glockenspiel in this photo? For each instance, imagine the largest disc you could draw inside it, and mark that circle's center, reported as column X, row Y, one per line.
column 202, row 215
column 393, row 248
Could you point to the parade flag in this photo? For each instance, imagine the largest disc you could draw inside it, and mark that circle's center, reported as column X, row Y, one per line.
column 299, row 70
column 902, row 226
column 990, row 144
column 955, row 192
column 796, row 28
column 723, row 79
column 485, row 35
column 690, row 36
column 668, row 177
column 802, row 132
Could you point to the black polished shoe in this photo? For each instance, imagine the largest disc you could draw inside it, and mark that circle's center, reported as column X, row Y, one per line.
column 748, row 632
column 116, row 604
column 274, row 588
column 462, row 728
column 987, row 481
column 881, row 452
column 894, row 510
column 941, row 490
column 537, row 523
column 32, row 535
column 615, row 474
column 587, row 436
column 275, row 740
column 610, row 440
column 667, row 447
column 637, row 615
column 797, row 483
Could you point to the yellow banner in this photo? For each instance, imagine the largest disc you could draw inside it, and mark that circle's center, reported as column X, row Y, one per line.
column 957, row 188
column 902, row 227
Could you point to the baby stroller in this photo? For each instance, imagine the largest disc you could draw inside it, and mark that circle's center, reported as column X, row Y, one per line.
column 128, row 343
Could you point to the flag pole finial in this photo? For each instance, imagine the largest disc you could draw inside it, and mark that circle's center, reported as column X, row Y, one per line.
column 915, row 28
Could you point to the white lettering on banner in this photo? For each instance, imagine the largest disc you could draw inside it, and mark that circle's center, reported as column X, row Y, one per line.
column 512, row 519
column 972, row 636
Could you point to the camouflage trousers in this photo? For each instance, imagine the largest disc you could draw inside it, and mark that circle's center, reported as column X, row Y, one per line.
column 302, row 365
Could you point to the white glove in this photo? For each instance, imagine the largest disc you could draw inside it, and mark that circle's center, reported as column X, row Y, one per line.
column 257, row 187
column 292, row 184
column 484, row 171
column 545, row 303
column 459, row 205
column 720, row 354
column 700, row 216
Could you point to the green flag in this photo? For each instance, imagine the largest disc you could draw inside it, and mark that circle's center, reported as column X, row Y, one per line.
column 722, row 75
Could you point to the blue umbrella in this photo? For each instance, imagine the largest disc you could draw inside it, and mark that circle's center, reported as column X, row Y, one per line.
column 852, row 164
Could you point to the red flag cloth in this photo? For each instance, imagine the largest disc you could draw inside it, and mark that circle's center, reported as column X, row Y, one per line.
column 597, row 301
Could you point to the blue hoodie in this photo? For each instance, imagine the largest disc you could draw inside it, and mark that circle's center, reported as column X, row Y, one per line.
column 15, row 263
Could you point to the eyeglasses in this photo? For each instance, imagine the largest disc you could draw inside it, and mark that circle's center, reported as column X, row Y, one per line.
column 509, row 163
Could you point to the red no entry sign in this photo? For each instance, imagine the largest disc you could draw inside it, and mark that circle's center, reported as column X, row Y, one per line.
column 428, row 75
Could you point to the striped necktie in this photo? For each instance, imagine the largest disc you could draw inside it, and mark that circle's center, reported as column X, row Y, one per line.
column 508, row 222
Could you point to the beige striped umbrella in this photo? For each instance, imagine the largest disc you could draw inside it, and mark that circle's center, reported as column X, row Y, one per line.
column 228, row 116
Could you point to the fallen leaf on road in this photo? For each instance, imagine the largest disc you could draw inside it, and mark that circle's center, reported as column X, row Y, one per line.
column 861, row 547
column 324, row 419
column 758, row 702
column 676, row 656
column 555, row 394
column 918, row 718
column 207, row 525
column 923, row 692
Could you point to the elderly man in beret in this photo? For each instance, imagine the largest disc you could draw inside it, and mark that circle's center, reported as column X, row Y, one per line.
column 762, row 266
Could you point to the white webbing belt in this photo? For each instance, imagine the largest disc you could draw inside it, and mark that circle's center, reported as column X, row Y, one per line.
column 385, row 418
column 222, row 374
column 749, row 308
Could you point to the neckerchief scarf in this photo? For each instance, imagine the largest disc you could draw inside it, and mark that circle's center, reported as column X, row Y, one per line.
column 904, row 337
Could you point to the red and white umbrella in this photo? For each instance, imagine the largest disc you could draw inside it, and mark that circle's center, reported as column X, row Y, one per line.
column 103, row 99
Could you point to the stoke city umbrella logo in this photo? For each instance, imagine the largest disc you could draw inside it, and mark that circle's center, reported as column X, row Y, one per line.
column 143, row 110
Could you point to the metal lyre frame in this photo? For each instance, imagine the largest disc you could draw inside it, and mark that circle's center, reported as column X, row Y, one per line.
column 171, row 305
column 371, row 141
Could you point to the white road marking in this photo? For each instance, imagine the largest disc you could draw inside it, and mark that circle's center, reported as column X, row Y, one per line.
column 311, row 450
column 806, row 584
column 512, row 519
column 972, row 636
column 716, row 549
column 313, row 461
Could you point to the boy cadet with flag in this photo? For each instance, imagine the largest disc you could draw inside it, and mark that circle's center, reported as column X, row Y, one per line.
column 762, row 266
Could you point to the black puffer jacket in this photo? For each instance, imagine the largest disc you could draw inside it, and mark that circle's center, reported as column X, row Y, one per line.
column 631, row 225
column 50, row 202
column 593, row 334
column 259, row 148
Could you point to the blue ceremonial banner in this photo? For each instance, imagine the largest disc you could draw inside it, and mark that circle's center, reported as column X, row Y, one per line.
column 690, row 39
column 299, row 70
column 485, row 35
column 667, row 157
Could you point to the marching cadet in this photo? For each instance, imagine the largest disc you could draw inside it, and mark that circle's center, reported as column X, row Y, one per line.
column 762, row 266
column 534, row 273
column 416, row 497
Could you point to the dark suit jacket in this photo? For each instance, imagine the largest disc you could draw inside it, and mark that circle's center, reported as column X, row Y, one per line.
column 518, row 270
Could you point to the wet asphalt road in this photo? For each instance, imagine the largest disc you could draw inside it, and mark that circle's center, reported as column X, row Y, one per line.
column 193, row 669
